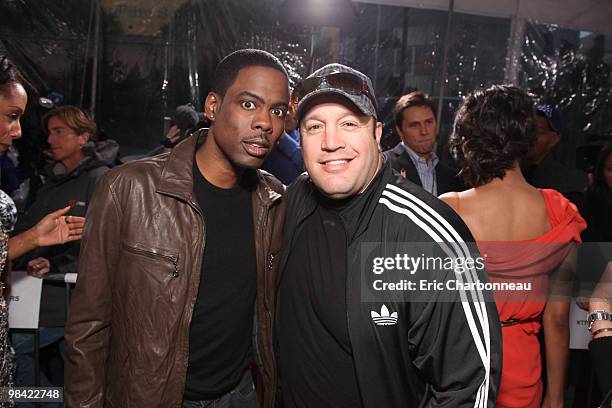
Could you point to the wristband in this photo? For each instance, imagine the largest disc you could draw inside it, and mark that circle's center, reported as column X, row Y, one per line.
column 605, row 329
column 598, row 315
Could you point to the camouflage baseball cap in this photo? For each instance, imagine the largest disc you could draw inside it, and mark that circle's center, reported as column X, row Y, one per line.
column 336, row 79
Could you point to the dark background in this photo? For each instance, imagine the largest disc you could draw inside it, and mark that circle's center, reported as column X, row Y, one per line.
column 156, row 54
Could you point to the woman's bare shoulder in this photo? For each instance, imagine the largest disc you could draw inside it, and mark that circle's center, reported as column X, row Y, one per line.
column 451, row 199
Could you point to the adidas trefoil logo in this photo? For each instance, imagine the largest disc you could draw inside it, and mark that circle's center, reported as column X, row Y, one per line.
column 384, row 318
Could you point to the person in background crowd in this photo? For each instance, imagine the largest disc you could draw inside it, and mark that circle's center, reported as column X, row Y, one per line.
column 30, row 159
column 334, row 348
column 526, row 234
column 175, row 296
column 415, row 156
column 285, row 161
column 291, row 127
column 185, row 121
column 540, row 167
column 600, row 325
column 9, row 179
column 78, row 161
column 55, row 228
column 597, row 209
column 593, row 258
column 597, row 212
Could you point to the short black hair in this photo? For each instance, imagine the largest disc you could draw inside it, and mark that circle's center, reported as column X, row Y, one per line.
column 227, row 70
column 10, row 75
column 493, row 129
column 411, row 100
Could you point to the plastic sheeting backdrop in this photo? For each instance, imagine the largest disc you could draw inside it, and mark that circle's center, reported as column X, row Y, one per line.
column 154, row 55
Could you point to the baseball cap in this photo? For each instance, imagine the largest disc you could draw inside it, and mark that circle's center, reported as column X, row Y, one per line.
column 552, row 115
column 336, row 79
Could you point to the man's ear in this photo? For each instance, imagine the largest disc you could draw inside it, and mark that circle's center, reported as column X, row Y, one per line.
column 555, row 140
column 84, row 138
column 378, row 132
column 399, row 132
column 211, row 105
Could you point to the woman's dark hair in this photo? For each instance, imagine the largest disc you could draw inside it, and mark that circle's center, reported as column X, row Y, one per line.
column 600, row 186
column 9, row 76
column 494, row 128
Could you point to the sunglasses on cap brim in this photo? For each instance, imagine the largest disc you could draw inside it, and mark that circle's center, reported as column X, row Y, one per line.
column 343, row 81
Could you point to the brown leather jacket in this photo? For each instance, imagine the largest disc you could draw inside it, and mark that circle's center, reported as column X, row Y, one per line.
column 128, row 330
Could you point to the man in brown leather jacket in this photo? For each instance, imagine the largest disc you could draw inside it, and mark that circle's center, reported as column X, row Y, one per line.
column 179, row 253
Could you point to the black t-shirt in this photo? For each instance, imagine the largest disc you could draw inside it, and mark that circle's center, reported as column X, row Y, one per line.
column 220, row 336
column 315, row 355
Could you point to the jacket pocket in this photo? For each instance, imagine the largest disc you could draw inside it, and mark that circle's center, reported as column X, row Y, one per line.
column 154, row 253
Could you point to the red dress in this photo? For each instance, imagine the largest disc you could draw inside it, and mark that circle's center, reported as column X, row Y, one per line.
column 521, row 311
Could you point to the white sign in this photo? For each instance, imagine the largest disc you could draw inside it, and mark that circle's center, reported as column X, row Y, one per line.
column 24, row 300
column 580, row 336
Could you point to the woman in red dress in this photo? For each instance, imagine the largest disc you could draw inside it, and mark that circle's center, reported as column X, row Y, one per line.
column 526, row 236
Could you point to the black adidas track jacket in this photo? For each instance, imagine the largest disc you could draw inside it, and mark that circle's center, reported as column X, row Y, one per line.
column 411, row 348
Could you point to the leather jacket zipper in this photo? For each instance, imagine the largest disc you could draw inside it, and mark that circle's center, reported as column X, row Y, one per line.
column 268, row 272
column 270, row 262
column 175, row 274
column 172, row 258
column 257, row 352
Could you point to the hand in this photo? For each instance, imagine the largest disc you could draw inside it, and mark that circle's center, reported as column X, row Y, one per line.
column 38, row 267
column 55, row 228
column 583, row 303
column 173, row 133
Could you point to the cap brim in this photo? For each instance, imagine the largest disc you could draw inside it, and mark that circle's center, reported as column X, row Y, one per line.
column 353, row 99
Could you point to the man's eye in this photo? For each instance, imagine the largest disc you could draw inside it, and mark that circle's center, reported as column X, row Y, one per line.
column 350, row 124
column 312, row 128
column 278, row 112
column 248, row 105
column 13, row 117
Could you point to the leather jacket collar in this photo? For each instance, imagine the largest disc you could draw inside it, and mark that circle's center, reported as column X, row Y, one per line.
column 177, row 178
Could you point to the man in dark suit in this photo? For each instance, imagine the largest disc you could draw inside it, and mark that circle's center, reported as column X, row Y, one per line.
column 415, row 156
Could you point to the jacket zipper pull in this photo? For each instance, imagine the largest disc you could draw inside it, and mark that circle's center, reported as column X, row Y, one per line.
column 270, row 261
column 175, row 262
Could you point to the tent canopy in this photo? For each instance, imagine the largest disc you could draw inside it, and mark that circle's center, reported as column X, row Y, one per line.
column 582, row 15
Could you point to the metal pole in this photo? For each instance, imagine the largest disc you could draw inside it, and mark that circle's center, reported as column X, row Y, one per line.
column 168, row 59
column 447, row 41
column 515, row 46
column 37, row 357
column 94, row 70
column 192, row 61
column 312, row 48
column 86, row 59
column 67, row 310
column 377, row 45
column 404, row 47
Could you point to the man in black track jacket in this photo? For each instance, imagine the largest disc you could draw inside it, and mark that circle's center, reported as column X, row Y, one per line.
column 354, row 327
